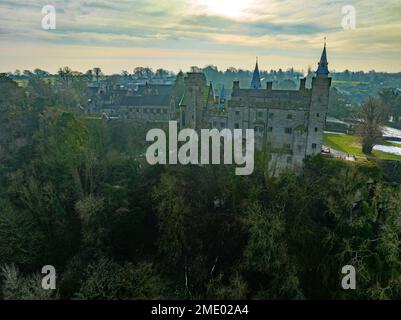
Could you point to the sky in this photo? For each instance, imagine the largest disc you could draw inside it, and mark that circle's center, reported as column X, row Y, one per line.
column 118, row 35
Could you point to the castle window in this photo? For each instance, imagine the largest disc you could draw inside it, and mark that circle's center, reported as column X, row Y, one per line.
column 314, row 146
column 260, row 114
column 271, row 115
column 237, row 113
column 270, row 129
column 288, row 130
column 214, row 124
column 236, row 126
column 318, row 115
column 222, row 125
column 289, row 116
column 316, row 129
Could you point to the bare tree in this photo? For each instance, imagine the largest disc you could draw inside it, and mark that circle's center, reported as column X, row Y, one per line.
column 89, row 75
column 372, row 116
column 125, row 74
column 65, row 74
column 98, row 72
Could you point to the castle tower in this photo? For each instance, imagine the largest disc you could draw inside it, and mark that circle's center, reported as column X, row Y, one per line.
column 256, row 84
column 193, row 102
column 319, row 105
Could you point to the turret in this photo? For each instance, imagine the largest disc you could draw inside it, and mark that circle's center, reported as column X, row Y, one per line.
column 319, row 105
column 323, row 69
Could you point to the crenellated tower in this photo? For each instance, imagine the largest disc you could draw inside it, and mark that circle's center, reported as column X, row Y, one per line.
column 321, row 84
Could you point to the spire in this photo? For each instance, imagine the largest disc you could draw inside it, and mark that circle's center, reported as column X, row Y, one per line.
column 323, row 64
column 256, row 84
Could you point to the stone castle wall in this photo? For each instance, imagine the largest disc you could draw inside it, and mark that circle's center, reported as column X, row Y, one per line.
column 288, row 124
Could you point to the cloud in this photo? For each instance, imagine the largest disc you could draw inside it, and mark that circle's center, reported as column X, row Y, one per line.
column 280, row 27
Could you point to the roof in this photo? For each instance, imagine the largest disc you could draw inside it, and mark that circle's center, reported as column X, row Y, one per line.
column 148, row 100
column 256, row 84
column 323, row 64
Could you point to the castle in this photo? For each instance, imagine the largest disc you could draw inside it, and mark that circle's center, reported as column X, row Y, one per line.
column 288, row 124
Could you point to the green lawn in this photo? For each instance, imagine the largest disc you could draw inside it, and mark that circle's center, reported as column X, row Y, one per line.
column 350, row 144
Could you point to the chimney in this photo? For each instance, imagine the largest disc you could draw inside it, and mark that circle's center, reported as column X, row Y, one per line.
column 236, row 87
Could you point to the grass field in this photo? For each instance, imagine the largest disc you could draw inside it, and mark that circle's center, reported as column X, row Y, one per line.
column 351, row 145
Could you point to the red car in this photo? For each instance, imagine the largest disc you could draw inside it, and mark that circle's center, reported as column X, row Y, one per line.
column 326, row 150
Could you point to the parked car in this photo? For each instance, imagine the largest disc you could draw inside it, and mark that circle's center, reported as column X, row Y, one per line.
column 326, row 150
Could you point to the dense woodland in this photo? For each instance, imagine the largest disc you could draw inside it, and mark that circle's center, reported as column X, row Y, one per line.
column 76, row 193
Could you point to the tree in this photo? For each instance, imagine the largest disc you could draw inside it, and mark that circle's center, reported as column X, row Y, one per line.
column 124, row 74
column 21, row 241
column 161, row 73
column 98, row 72
column 89, row 75
column 287, row 85
column 266, row 256
column 371, row 117
column 65, row 74
column 138, row 72
column 340, row 105
column 143, row 72
column 195, row 69
column 17, row 287
column 391, row 98
column 40, row 73
column 28, row 74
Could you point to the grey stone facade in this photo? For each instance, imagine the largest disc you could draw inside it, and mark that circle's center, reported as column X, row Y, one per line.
column 148, row 103
column 288, row 124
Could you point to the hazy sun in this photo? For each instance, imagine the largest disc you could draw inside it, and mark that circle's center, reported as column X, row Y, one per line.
column 228, row 8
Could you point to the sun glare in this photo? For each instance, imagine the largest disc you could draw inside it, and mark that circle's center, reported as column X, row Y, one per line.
column 228, row 8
